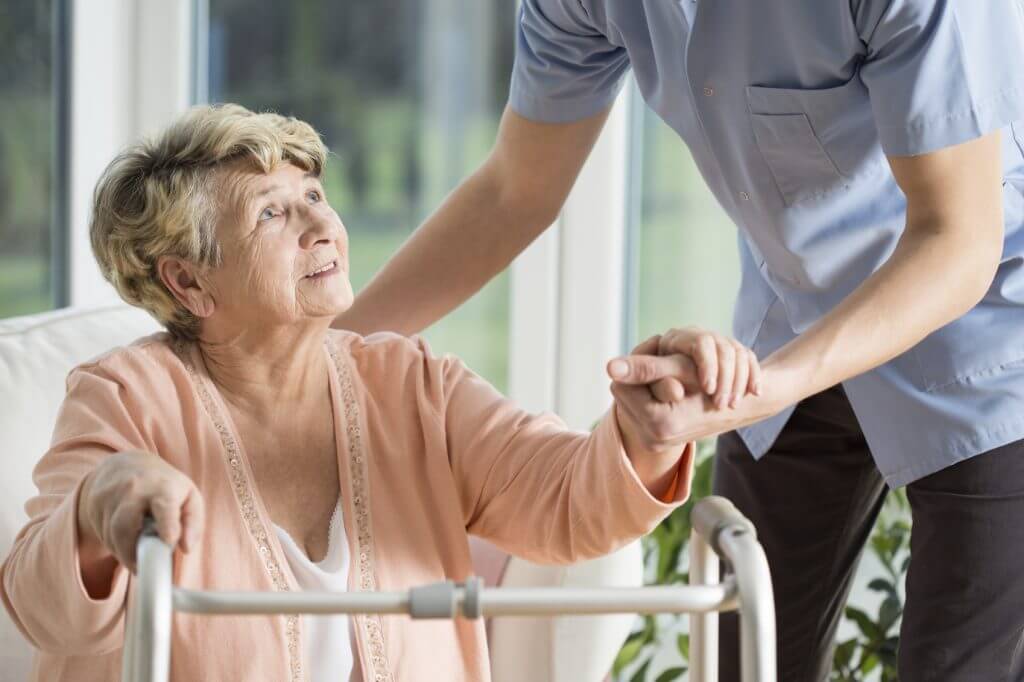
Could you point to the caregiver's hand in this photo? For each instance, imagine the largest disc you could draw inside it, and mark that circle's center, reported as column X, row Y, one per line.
column 665, row 426
column 715, row 364
column 118, row 494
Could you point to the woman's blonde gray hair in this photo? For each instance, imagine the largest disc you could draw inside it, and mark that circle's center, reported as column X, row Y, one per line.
column 160, row 198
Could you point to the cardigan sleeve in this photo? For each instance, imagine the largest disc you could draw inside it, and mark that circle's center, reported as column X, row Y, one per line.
column 40, row 580
column 538, row 489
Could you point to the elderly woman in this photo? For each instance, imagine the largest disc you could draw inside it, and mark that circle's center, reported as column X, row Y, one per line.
column 278, row 454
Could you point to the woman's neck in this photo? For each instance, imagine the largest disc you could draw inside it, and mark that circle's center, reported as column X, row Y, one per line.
column 259, row 372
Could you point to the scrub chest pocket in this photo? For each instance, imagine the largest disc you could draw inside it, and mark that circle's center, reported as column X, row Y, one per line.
column 814, row 142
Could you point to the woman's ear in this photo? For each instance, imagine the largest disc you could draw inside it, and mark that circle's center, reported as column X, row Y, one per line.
column 182, row 279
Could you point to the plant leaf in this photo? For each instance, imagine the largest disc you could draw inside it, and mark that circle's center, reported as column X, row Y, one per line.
column 641, row 674
column 844, row 653
column 683, row 644
column 864, row 622
column 670, row 674
column 882, row 585
column 888, row 613
column 629, row 651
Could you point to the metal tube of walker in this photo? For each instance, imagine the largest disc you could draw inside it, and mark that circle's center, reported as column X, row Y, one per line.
column 734, row 538
column 147, row 650
column 718, row 530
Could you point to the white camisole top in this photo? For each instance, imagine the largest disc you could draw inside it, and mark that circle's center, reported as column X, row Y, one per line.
column 327, row 641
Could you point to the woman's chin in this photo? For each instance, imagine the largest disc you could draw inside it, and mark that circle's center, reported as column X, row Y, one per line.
column 328, row 300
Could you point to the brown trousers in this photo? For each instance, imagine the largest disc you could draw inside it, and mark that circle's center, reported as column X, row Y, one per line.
column 814, row 499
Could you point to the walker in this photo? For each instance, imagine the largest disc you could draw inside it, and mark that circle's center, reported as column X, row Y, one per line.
column 719, row 530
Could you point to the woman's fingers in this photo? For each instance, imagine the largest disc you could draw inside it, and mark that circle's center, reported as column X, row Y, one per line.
column 128, row 486
column 165, row 507
column 123, row 531
column 656, row 423
column 193, row 518
column 668, row 390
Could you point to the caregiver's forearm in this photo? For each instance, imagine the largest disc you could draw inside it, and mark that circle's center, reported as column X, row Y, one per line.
column 470, row 239
column 480, row 228
column 941, row 268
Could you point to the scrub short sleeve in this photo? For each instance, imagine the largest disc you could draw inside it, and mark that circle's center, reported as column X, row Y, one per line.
column 565, row 68
column 941, row 72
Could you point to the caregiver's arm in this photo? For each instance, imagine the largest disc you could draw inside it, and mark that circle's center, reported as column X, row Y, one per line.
column 942, row 266
column 480, row 228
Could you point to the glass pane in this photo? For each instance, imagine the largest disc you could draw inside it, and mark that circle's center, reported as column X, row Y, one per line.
column 688, row 267
column 407, row 94
column 27, row 134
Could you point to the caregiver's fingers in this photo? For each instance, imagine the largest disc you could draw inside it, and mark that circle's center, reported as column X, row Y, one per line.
column 646, row 369
column 727, row 369
column 726, row 373
column 705, row 353
column 755, row 373
column 648, row 347
column 742, row 378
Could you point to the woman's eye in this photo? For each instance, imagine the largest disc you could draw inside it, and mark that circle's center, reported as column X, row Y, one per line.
column 313, row 195
column 266, row 214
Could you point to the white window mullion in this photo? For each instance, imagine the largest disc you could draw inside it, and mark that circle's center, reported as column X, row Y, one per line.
column 533, row 327
column 592, row 254
column 130, row 75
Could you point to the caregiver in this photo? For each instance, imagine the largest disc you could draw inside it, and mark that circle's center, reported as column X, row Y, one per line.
column 870, row 153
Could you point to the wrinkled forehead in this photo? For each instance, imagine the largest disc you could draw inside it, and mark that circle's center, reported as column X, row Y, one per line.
column 239, row 187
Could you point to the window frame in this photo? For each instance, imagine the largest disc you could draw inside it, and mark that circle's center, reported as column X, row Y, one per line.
column 129, row 73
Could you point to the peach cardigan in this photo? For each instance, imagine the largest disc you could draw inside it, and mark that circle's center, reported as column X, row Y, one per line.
column 428, row 452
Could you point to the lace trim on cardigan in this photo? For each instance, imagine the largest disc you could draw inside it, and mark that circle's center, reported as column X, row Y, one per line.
column 243, row 492
column 371, row 623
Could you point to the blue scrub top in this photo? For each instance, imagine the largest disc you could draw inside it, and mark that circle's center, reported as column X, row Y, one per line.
column 789, row 108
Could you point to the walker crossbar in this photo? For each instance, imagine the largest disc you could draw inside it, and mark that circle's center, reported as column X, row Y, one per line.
column 718, row 530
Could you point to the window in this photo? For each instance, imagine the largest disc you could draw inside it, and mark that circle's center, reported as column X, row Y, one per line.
column 31, row 188
column 407, row 94
column 686, row 269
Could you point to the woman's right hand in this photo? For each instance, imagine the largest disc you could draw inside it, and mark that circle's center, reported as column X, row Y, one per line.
column 117, row 496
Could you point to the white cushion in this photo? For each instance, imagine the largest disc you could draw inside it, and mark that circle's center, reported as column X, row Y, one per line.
column 36, row 354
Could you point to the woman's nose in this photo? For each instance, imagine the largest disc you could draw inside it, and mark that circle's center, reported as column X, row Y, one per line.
column 319, row 229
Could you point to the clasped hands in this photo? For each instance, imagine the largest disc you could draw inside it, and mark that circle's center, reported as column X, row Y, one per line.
column 685, row 385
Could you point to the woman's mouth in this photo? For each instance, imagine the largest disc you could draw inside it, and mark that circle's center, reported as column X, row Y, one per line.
column 327, row 270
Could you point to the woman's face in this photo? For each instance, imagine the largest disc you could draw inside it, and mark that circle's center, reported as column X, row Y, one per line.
column 285, row 251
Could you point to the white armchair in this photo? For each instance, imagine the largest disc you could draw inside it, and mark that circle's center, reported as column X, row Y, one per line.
column 36, row 353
